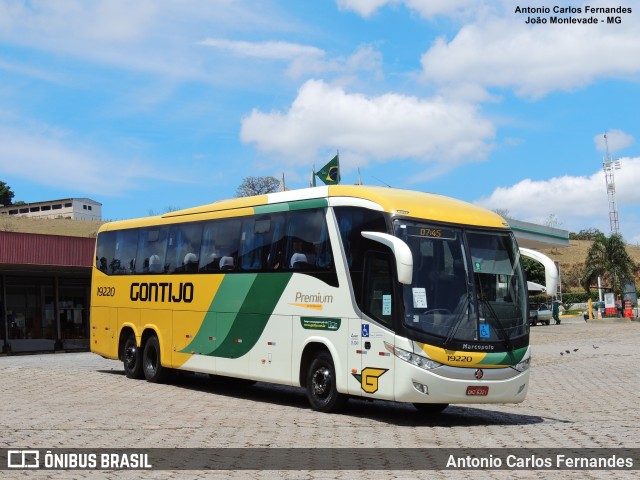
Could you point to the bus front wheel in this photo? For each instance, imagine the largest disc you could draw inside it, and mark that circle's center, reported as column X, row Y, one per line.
column 322, row 390
column 132, row 358
column 153, row 370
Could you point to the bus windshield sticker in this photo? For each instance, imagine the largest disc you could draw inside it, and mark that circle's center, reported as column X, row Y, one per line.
column 419, row 298
column 484, row 331
column 386, row 305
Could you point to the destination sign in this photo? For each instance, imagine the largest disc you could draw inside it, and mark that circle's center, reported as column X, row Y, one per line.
column 431, row 232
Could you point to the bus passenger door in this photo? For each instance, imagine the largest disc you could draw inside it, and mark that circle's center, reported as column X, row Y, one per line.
column 378, row 304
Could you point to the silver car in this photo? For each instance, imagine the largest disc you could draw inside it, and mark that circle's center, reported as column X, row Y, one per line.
column 539, row 313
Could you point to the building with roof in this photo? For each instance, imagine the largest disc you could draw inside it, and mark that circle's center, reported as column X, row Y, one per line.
column 73, row 208
column 45, row 285
column 538, row 237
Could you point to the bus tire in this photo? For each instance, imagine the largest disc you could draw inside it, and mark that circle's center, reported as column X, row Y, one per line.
column 431, row 408
column 322, row 391
column 132, row 358
column 151, row 365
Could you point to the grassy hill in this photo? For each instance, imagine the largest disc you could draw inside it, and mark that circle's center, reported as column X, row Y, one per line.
column 571, row 260
column 56, row 226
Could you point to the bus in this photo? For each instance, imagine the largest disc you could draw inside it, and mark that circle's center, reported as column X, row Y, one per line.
column 345, row 291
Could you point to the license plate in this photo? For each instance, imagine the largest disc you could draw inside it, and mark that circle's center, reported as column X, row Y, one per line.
column 477, row 391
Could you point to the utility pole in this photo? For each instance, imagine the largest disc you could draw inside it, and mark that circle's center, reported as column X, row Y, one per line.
column 609, row 166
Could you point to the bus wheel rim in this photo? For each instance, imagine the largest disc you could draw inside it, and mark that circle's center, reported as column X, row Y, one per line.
column 130, row 355
column 322, row 382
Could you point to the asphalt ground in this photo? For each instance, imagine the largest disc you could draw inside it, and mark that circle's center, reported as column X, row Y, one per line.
column 583, row 395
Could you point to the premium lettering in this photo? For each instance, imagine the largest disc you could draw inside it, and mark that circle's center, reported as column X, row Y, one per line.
column 161, row 292
column 317, row 298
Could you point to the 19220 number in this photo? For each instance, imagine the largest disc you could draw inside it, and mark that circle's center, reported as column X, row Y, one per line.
column 459, row 358
column 106, row 292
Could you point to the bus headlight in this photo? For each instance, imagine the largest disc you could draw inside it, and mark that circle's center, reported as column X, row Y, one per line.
column 523, row 366
column 412, row 358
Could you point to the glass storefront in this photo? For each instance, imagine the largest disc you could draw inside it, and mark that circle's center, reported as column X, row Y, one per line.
column 44, row 313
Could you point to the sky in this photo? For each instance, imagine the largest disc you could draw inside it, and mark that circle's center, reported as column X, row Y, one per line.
column 154, row 105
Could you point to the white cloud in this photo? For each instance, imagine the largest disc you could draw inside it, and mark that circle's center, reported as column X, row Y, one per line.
column 364, row 59
column 153, row 36
column 276, row 50
column 364, row 8
column 426, row 8
column 578, row 202
column 304, row 60
column 47, row 156
column 616, row 139
column 504, row 52
column 385, row 127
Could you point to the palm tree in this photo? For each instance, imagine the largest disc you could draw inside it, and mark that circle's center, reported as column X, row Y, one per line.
column 608, row 258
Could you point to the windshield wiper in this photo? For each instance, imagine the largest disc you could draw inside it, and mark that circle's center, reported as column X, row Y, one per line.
column 462, row 311
column 500, row 327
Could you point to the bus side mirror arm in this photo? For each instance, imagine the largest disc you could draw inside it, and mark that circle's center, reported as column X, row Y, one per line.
column 550, row 269
column 401, row 252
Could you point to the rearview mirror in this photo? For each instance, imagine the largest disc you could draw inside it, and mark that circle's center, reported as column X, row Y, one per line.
column 401, row 252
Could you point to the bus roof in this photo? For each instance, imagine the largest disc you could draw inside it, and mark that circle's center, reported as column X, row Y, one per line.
column 405, row 203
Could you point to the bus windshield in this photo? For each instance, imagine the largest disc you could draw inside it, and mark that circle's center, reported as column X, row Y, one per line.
column 467, row 285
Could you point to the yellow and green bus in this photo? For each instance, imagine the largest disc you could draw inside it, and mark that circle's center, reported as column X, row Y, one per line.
column 346, row 291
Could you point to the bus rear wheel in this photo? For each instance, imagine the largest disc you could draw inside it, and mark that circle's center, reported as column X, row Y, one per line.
column 151, row 365
column 322, row 391
column 132, row 358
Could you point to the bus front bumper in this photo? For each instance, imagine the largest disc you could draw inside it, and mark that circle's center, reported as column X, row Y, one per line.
column 459, row 385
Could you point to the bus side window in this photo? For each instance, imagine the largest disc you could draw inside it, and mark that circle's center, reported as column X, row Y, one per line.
column 152, row 245
column 377, row 301
column 352, row 221
column 307, row 245
column 184, row 248
column 105, row 250
column 124, row 255
column 219, row 251
column 261, row 244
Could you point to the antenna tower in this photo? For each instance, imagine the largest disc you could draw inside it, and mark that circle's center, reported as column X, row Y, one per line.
column 609, row 166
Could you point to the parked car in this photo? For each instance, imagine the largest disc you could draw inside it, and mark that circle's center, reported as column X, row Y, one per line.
column 539, row 313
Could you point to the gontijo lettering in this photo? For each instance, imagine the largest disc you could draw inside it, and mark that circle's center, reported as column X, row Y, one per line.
column 161, row 292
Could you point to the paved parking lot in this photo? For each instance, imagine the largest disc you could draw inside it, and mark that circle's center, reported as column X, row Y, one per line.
column 583, row 394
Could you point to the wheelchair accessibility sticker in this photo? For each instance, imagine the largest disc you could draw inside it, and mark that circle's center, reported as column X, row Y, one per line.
column 484, row 331
column 365, row 330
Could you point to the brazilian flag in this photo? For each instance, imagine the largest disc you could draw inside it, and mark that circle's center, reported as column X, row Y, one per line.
column 330, row 173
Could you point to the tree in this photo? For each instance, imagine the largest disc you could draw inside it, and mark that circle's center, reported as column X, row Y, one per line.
column 552, row 221
column 534, row 270
column 6, row 194
column 608, row 258
column 257, row 186
column 585, row 234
